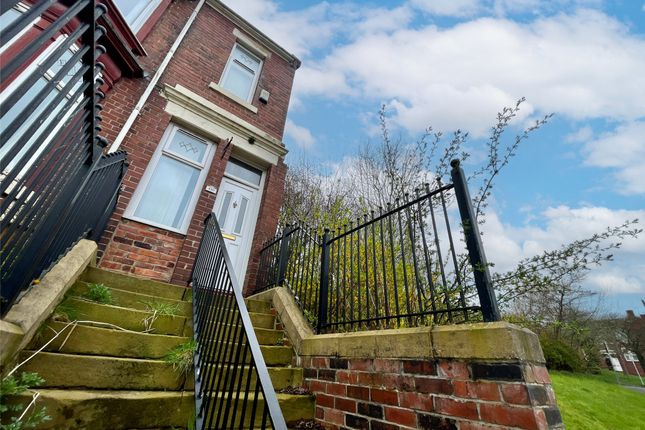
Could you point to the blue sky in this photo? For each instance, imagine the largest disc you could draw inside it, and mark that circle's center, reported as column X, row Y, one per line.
column 455, row 63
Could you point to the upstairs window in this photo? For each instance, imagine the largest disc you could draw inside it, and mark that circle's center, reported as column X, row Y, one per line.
column 241, row 74
column 136, row 12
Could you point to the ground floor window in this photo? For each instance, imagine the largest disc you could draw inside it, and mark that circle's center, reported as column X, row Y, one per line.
column 168, row 192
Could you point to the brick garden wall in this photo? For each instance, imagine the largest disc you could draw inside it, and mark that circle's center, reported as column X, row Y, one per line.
column 132, row 247
column 393, row 394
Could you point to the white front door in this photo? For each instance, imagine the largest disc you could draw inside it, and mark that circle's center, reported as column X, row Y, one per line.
column 236, row 210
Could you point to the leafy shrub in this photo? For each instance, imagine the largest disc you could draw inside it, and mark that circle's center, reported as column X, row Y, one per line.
column 20, row 418
column 560, row 356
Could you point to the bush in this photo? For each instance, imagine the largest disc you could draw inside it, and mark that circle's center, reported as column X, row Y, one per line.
column 560, row 356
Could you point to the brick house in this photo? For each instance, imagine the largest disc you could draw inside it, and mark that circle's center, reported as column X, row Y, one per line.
column 210, row 114
column 622, row 352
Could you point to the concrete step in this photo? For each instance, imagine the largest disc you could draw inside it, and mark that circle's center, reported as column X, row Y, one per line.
column 130, row 319
column 273, row 355
column 104, row 373
column 132, row 300
column 258, row 320
column 112, row 410
column 89, row 340
column 258, row 306
column 135, row 284
column 294, row 408
column 269, row 336
column 265, row 336
column 281, row 377
column 122, row 410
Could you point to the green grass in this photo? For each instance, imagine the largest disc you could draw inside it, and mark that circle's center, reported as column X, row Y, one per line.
column 99, row 293
column 162, row 308
column 619, row 378
column 597, row 402
column 181, row 358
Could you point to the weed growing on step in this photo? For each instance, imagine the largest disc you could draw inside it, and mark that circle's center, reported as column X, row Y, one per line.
column 158, row 309
column 99, row 293
column 162, row 308
column 181, row 357
column 65, row 312
column 21, row 418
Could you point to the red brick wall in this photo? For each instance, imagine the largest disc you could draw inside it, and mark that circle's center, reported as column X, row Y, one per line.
column 378, row 394
column 202, row 58
column 199, row 61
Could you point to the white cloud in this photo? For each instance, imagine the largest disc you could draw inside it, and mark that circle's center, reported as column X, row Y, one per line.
column 461, row 76
column 506, row 244
column 616, row 282
column 582, row 135
column 298, row 31
column 623, row 150
column 318, row 26
column 468, row 8
column 299, row 135
column 449, row 7
column 383, row 20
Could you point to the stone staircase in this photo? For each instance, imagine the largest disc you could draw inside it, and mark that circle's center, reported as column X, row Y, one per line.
column 98, row 376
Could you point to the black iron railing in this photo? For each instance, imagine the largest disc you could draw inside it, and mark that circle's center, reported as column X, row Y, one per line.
column 56, row 187
column 396, row 267
column 232, row 384
column 293, row 258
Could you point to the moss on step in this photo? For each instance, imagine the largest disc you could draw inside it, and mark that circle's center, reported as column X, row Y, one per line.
column 258, row 306
column 129, row 319
column 90, row 340
column 113, row 410
column 133, row 300
column 106, row 373
column 281, row 377
column 134, row 284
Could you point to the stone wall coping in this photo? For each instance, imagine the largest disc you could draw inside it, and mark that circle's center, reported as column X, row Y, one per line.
column 25, row 317
column 194, row 111
column 477, row 341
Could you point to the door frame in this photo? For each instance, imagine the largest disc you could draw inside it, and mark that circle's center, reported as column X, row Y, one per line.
column 245, row 249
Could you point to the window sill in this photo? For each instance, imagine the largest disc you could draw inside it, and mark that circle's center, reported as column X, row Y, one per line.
column 233, row 97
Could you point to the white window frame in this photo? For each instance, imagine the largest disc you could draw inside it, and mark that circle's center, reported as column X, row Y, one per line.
column 161, row 151
column 137, row 18
column 630, row 356
column 256, row 78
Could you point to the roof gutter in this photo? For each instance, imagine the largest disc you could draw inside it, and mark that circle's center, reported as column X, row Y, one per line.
column 155, row 79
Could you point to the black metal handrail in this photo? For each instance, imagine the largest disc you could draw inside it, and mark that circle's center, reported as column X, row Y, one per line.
column 56, row 186
column 233, row 388
column 397, row 267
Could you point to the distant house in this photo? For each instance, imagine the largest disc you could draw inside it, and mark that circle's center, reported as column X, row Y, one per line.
column 199, row 101
column 621, row 354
